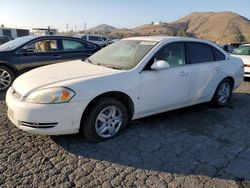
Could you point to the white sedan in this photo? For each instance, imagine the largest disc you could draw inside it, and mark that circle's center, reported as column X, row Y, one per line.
column 243, row 52
column 130, row 79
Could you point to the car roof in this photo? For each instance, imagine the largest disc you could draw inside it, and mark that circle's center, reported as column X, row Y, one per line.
column 165, row 38
column 170, row 39
column 51, row 36
column 47, row 36
column 94, row 35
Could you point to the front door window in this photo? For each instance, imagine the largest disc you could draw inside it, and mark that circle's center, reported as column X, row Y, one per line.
column 43, row 46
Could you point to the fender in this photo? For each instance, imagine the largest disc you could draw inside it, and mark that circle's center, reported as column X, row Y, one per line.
column 11, row 67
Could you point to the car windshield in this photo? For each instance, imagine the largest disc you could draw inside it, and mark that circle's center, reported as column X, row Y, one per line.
column 242, row 50
column 124, row 54
column 13, row 44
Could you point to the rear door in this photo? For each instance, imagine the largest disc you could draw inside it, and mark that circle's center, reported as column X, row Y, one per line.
column 206, row 64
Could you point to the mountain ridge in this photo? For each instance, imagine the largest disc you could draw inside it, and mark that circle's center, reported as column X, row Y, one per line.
column 220, row 27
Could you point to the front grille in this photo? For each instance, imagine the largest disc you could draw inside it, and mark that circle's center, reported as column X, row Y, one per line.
column 247, row 73
column 38, row 125
column 247, row 65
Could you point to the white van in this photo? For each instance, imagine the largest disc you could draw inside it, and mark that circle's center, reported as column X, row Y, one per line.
column 100, row 40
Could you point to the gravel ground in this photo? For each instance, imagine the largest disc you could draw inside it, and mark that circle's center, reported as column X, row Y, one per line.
column 199, row 146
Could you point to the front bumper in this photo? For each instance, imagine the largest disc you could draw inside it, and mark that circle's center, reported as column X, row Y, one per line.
column 45, row 119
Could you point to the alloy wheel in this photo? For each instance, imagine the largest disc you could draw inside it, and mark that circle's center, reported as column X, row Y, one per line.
column 108, row 122
column 5, row 79
column 224, row 92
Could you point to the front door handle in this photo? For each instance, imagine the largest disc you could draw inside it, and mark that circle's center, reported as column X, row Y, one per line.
column 183, row 73
column 57, row 56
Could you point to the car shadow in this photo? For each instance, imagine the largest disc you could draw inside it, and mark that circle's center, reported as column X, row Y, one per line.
column 198, row 140
column 2, row 96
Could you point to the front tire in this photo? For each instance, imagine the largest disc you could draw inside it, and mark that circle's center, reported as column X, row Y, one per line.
column 6, row 78
column 104, row 120
column 223, row 93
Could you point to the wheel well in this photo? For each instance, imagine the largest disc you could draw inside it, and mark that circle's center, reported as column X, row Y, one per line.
column 9, row 67
column 124, row 98
column 231, row 79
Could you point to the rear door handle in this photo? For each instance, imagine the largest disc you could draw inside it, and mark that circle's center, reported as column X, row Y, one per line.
column 183, row 73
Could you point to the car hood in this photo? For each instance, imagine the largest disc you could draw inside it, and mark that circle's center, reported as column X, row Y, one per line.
column 53, row 74
column 244, row 58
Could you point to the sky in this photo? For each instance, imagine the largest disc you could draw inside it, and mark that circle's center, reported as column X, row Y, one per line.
column 118, row 13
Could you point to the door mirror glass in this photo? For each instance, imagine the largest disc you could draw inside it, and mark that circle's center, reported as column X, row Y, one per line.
column 159, row 65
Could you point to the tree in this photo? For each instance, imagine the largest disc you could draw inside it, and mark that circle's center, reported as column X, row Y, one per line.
column 239, row 38
column 182, row 33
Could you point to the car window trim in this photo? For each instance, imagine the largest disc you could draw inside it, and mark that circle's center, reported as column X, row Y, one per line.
column 58, row 43
column 180, row 66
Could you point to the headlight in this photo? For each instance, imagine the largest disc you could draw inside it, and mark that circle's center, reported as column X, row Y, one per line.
column 50, row 96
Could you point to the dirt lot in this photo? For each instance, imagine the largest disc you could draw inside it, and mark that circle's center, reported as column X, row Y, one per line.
column 199, row 146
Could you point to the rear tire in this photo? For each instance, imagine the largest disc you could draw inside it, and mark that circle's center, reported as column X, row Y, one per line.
column 6, row 78
column 223, row 93
column 104, row 120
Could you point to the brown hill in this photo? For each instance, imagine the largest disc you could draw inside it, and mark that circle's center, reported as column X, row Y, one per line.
column 221, row 27
column 217, row 26
column 103, row 28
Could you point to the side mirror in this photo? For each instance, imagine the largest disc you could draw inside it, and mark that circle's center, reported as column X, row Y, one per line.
column 159, row 65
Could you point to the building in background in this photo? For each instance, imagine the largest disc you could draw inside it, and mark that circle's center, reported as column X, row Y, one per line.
column 44, row 31
column 13, row 32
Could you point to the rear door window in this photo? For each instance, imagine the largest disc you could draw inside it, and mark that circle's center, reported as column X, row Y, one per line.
column 71, row 45
column 199, row 52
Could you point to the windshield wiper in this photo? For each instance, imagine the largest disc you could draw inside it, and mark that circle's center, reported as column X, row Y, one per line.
column 104, row 65
column 111, row 66
column 88, row 60
column 92, row 62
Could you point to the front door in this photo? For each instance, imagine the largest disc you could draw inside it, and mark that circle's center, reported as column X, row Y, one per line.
column 162, row 89
column 39, row 53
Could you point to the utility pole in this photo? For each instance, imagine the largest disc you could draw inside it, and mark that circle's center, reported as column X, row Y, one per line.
column 85, row 27
column 67, row 28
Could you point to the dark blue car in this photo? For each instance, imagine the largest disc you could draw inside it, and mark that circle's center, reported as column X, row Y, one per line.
column 25, row 53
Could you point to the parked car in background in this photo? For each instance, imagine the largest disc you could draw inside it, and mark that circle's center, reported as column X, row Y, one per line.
column 129, row 79
column 25, row 53
column 4, row 39
column 243, row 52
column 228, row 48
column 113, row 41
column 100, row 40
